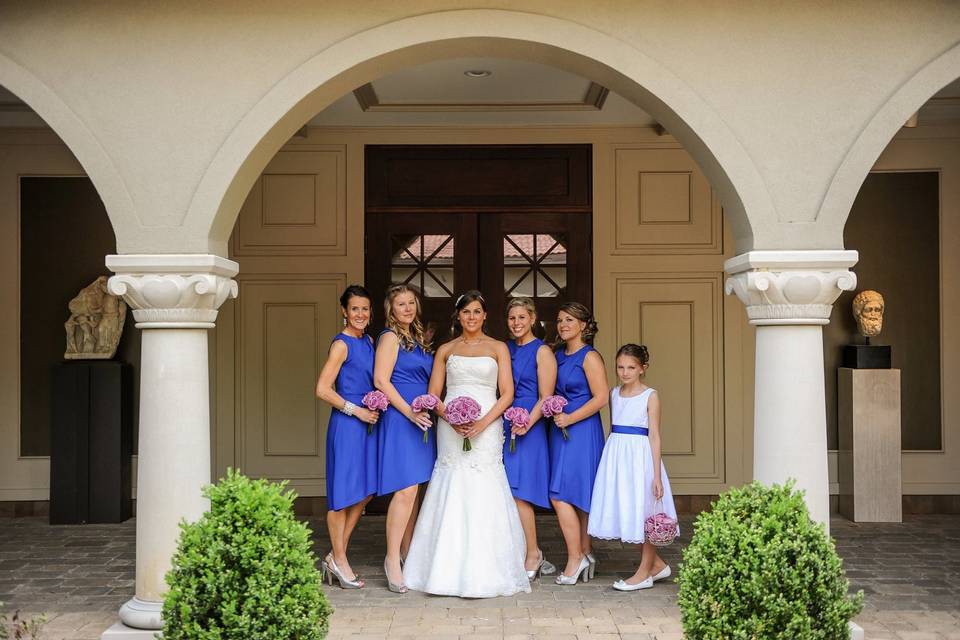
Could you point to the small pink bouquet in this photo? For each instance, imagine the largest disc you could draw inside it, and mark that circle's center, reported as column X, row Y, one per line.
column 425, row 402
column 518, row 417
column 375, row 401
column 463, row 410
column 553, row 406
column 661, row 529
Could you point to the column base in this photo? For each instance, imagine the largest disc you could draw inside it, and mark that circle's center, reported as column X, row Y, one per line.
column 142, row 614
column 120, row 631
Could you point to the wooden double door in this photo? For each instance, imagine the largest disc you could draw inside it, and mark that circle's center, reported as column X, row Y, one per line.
column 522, row 229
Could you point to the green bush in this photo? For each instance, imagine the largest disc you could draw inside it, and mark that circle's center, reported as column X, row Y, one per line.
column 245, row 570
column 759, row 568
column 18, row 628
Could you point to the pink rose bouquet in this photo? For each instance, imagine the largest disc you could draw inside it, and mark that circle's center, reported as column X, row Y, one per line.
column 463, row 410
column 661, row 529
column 553, row 406
column 375, row 401
column 425, row 402
column 518, row 417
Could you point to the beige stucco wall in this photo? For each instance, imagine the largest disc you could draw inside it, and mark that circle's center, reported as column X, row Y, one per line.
column 174, row 109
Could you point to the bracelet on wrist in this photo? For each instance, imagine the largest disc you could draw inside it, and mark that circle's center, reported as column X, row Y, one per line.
column 348, row 408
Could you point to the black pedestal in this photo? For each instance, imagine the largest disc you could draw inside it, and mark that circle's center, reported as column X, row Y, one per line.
column 866, row 356
column 91, row 442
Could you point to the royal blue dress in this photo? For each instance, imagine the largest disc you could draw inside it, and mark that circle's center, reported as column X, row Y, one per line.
column 404, row 458
column 574, row 462
column 528, row 468
column 351, row 451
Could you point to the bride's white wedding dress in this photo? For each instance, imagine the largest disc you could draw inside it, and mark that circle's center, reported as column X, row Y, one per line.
column 468, row 541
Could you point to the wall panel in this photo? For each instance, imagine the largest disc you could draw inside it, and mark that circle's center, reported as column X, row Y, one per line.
column 285, row 330
column 679, row 317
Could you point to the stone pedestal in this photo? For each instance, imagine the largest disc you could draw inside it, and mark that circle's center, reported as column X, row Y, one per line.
column 868, row 461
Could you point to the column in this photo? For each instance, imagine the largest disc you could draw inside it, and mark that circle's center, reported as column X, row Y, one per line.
column 174, row 300
column 789, row 296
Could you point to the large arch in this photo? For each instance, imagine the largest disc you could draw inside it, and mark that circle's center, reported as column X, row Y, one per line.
column 79, row 139
column 879, row 131
column 360, row 58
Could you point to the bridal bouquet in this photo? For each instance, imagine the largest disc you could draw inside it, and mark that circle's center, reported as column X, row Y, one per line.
column 553, row 406
column 518, row 417
column 375, row 401
column 463, row 410
column 425, row 402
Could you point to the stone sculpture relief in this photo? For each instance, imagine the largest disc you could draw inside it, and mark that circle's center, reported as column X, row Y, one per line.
column 868, row 312
column 95, row 324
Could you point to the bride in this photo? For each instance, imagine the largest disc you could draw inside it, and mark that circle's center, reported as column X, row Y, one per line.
column 468, row 540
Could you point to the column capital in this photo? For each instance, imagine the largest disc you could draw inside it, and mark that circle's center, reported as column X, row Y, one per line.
column 790, row 287
column 173, row 291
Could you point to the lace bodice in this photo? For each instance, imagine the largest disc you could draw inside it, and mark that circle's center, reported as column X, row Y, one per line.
column 474, row 376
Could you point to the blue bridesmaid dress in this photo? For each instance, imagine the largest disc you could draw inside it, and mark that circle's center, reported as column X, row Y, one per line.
column 574, row 462
column 404, row 458
column 528, row 468
column 351, row 451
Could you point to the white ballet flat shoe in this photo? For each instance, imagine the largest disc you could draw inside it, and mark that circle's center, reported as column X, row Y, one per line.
column 621, row 585
column 663, row 575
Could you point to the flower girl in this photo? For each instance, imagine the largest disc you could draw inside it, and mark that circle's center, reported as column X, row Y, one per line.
column 627, row 490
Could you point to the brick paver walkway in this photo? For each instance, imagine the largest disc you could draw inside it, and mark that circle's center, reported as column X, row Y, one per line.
column 81, row 575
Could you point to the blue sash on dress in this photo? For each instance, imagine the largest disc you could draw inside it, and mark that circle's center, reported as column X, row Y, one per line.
column 630, row 431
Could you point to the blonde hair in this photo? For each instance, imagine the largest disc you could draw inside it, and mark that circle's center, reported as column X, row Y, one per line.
column 526, row 303
column 409, row 336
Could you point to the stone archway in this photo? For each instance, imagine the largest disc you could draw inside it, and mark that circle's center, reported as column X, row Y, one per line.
column 90, row 153
column 349, row 63
column 878, row 133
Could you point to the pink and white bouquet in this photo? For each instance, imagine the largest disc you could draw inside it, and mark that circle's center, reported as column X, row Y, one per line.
column 375, row 401
column 661, row 529
column 425, row 402
column 518, row 417
column 463, row 410
column 553, row 406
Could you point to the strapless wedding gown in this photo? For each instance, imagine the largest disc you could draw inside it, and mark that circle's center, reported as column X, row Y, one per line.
column 468, row 540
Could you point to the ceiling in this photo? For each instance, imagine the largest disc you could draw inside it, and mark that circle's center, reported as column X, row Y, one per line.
column 516, row 92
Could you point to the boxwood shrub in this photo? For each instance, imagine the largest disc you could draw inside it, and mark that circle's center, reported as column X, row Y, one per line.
column 245, row 570
column 759, row 567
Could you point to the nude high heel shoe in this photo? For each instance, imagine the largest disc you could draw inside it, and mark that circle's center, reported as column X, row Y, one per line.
column 395, row 588
column 544, row 568
column 593, row 564
column 582, row 570
column 329, row 569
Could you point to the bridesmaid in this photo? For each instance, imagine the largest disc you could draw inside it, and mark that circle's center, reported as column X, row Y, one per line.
column 581, row 379
column 346, row 377
column 528, row 468
column 402, row 371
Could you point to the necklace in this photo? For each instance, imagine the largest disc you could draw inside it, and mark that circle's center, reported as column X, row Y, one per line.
column 475, row 341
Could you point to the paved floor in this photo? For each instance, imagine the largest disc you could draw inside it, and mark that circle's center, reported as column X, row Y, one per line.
column 81, row 575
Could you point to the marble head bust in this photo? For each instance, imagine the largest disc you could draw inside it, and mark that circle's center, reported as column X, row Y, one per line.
column 868, row 312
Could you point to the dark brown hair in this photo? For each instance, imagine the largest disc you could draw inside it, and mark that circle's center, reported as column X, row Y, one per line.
column 583, row 314
column 466, row 298
column 638, row 351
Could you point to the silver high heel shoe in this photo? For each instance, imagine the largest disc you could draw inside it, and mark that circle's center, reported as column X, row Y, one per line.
column 329, row 569
column 544, row 568
column 392, row 586
column 593, row 564
column 581, row 570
